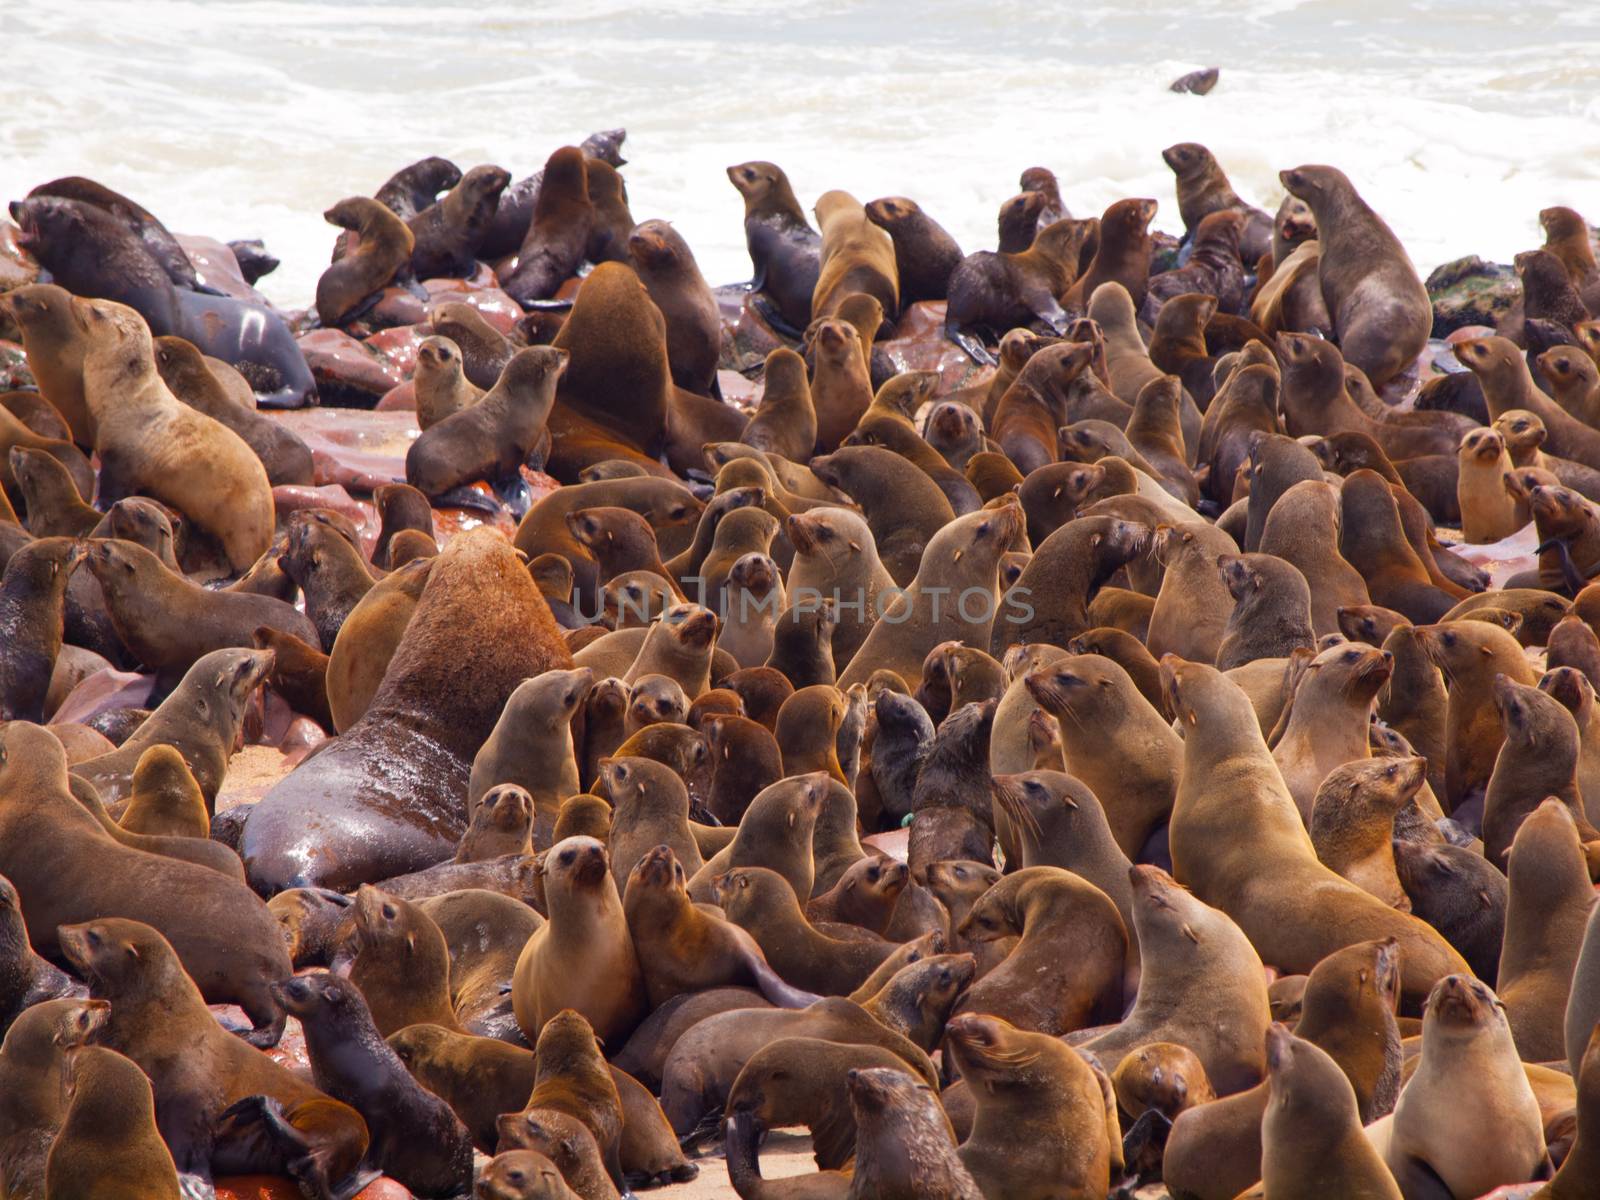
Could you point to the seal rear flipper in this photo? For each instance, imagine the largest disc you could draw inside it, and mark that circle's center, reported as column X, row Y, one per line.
column 767, row 981
column 466, row 496
column 709, row 1125
column 974, row 349
column 254, row 1137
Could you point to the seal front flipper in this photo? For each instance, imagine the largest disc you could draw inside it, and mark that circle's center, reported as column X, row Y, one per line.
column 196, row 1187
column 768, row 312
column 1570, row 574
column 469, row 497
column 1419, row 1181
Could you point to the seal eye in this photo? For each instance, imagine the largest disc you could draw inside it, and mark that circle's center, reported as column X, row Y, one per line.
column 390, row 912
column 568, row 857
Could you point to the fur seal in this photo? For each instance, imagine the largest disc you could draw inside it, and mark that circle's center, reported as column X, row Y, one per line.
column 440, row 385
column 449, row 233
column 1187, row 947
column 531, row 744
column 857, row 256
column 1381, row 312
column 1214, row 856
column 1468, row 1069
column 368, row 638
column 1203, row 189
column 587, row 934
column 109, row 1144
column 149, row 442
column 1352, row 821
column 166, row 799
column 1271, row 615
column 785, row 251
column 669, row 273
column 1311, row 1136
column 223, row 1107
column 201, row 719
column 924, row 254
column 1041, row 1124
column 33, row 593
column 382, row 250
column 558, row 232
column 455, row 666
column 494, row 437
column 994, row 292
column 415, row 1138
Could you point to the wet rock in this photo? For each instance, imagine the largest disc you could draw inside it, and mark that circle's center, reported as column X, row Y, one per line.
column 399, row 346
column 291, row 498
column 17, row 266
column 357, row 450
column 348, row 373
column 14, row 373
column 103, row 690
column 1196, row 83
column 747, row 339
column 399, row 399
column 1471, row 291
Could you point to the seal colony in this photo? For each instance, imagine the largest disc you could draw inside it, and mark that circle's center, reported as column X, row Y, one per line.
column 1102, row 714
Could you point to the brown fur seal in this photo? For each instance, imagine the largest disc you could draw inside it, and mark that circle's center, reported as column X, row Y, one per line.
column 558, row 232
column 55, row 342
column 682, row 949
column 1049, row 908
column 1187, row 947
column 669, row 273
column 382, row 250
column 170, row 622
column 649, row 808
column 1538, row 759
column 784, row 250
column 367, row 641
column 32, row 1060
column 449, row 233
column 441, row 386
column 166, row 799
column 223, row 1107
column 415, row 1137
column 1471, row 654
column 1203, row 189
column 1372, row 539
column 186, row 371
column 149, row 442
column 401, row 962
column 1327, row 722
column 457, row 662
column 522, row 1175
column 299, row 673
column 531, row 744
column 841, row 389
column 857, row 256
column 494, row 437
column 109, row 1144
column 1311, row 1136
column 993, row 292
column 1468, row 1069
column 1212, row 854
column 1271, row 611
column 201, row 719
column 1098, row 705
column 1488, row 512
column 785, row 422
column 761, row 902
column 1352, row 821
column 1041, row 1123
column 25, row 978
column 1381, row 312
column 33, row 593
column 924, row 254
column 1122, row 257
column 583, row 957
column 1549, row 906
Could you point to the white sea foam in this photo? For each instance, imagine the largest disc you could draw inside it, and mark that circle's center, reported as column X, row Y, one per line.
column 1458, row 119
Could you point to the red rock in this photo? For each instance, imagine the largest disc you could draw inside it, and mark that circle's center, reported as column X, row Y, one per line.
column 268, row 1187
column 497, row 308
column 481, row 279
column 358, row 450
column 569, row 289
column 347, row 370
column 399, row 399
column 395, row 306
column 739, row 391
column 14, row 373
column 895, row 843
column 925, row 319
column 17, row 266
column 399, row 346
column 106, row 688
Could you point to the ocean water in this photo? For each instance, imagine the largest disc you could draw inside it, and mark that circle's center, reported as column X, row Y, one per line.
column 1457, row 119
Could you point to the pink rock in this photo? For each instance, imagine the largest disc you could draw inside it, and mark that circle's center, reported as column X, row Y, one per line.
column 497, row 308
column 896, row 843
column 17, row 266
column 105, row 689
column 343, row 366
column 356, row 449
column 302, row 737
column 399, row 346
column 739, row 391
column 399, row 399
column 395, row 306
